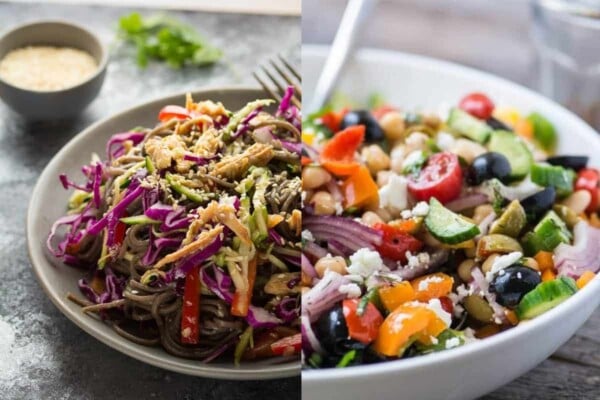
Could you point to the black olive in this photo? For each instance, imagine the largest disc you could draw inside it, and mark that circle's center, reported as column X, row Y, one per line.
column 373, row 132
column 497, row 125
column 537, row 204
column 487, row 166
column 573, row 162
column 332, row 332
column 514, row 282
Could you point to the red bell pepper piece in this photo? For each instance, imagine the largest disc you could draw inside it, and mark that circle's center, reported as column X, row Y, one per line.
column 588, row 179
column 169, row 112
column 287, row 346
column 190, row 324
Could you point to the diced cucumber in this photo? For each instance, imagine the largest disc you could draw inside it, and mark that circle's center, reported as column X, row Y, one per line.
column 545, row 296
column 558, row 177
column 547, row 234
column 446, row 226
column 543, row 131
column 514, row 149
column 467, row 125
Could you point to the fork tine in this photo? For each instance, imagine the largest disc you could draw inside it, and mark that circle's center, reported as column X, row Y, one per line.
column 290, row 68
column 280, row 87
column 286, row 77
column 266, row 87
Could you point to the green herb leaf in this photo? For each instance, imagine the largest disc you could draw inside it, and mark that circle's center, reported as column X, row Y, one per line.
column 166, row 39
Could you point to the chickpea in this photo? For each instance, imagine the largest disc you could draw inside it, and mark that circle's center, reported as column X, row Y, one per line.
column 578, row 201
column 393, row 125
column 314, row 177
column 324, row 203
column 416, row 141
column 464, row 269
column 384, row 214
column 375, row 159
column 335, row 264
column 531, row 263
column 370, row 218
column 467, row 149
column 397, row 157
column 487, row 264
column 481, row 212
column 432, row 121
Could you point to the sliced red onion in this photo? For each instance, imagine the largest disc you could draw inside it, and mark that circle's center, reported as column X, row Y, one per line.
column 334, row 190
column 485, row 225
column 346, row 239
column 338, row 249
column 314, row 250
column 344, row 226
column 307, row 267
column 467, row 201
column 324, row 295
column 310, row 343
column 583, row 255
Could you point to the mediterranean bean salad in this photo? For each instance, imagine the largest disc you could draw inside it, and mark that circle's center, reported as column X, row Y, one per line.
column 424, row 232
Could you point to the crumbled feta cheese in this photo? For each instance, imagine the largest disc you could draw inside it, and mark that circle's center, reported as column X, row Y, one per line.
column 444, row 140
column 365, row 262
column 339, row 209
column 502, row 262
column 424, row 284
column 433, row 340
column 436, row 306
column 307, row 235
column 452, row 342
column 394, row 194
column 351, row 290
column 421, row 209
column 406, row 214
column 418, row 260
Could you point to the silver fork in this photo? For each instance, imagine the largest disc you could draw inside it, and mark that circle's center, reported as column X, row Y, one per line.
column 280, row 74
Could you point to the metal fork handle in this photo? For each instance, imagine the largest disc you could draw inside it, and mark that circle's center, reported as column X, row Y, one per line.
column 355, row 13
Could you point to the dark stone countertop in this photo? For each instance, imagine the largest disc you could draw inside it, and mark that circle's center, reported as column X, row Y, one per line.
column 42, row 354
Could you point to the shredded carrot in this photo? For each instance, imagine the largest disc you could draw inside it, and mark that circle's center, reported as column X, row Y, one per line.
column 203, row 240
column 585, row 278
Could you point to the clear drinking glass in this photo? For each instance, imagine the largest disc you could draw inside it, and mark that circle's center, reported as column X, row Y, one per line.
column 567, row 38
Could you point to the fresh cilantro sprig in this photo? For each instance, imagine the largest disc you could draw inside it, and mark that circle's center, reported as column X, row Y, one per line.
column 166, row 39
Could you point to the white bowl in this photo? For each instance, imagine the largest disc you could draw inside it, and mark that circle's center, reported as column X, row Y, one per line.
column 467, row 372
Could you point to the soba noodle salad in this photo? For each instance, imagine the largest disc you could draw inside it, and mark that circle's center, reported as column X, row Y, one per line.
column 188, row 233
column 423, row 232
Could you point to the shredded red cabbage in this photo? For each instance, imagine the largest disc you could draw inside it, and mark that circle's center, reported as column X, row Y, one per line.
column 287, row 309
column 244, row 126
column 185, row 265
column 198, row 159
column 114, row 147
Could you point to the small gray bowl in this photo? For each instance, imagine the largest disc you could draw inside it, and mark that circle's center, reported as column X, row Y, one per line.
column 59, row 104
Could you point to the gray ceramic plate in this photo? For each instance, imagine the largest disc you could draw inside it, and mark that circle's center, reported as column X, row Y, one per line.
column 48, row 203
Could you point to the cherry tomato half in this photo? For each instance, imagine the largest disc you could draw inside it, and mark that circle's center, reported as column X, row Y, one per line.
column 363, row 328
column 169, row 112
column 395, row 243
column 440, row 178
column 588, row 179
column 477, row 104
